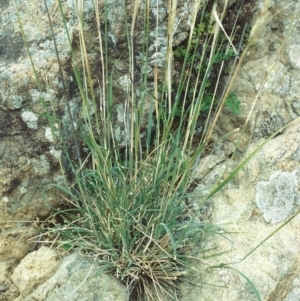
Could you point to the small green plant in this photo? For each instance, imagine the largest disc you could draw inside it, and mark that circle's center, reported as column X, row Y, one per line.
column 233, row 103
column 205, row 65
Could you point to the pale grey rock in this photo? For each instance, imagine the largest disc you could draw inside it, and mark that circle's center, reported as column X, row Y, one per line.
column 277, row 197
column 268, row 81
column 41, row 165
column 265, row 193
column 294, row 294
column 207, row 164
column 274, row 263
column 25, row 150
column 15, row 240
column 34, row 269
column 79, row 279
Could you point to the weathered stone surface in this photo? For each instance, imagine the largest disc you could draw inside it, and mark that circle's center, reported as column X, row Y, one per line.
column 266, row 191
column 268, row 78
column 264, row 194
column 262, row 197
column 4, row 283
column 14, row 241
column 78, row 279
column 33, row 270
column 28, row 161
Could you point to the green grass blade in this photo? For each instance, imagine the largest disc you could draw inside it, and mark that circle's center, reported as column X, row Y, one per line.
column 252, row 286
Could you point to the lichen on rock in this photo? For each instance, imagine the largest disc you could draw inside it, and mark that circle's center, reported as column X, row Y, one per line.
column 277, row 196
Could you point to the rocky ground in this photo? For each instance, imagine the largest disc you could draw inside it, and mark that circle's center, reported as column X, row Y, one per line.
column 262, row 197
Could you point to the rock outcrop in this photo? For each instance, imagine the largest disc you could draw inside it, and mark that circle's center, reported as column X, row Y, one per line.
column 262, row 197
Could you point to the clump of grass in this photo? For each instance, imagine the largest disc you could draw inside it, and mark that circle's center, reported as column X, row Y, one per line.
column 127, row 202
column 128, row 219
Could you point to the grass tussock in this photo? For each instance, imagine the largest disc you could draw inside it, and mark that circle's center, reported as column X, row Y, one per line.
column 128, row 202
